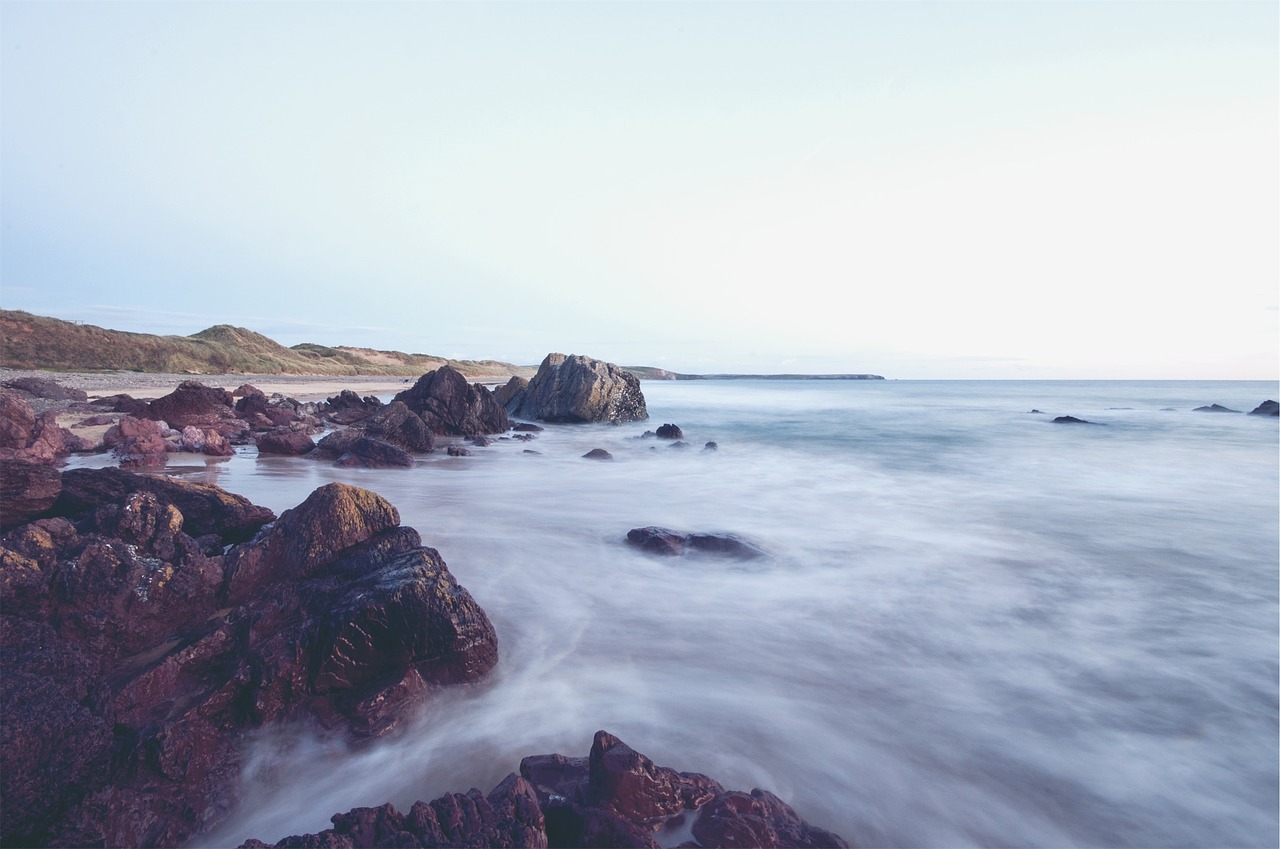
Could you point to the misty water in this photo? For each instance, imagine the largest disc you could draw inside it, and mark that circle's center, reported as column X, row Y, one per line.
column 974, row 626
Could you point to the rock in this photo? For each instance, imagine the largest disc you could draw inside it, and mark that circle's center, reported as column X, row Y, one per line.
column 679, row 443
column 286, row 440
column 193, row 403
column 39, row 387
column 347, row 407
column 136, row 662
column 666, row 542
column 368, row 453
column 1070, row 420
column 614, row 797
column 452, row 407
column 597, row 454
column 400, row 426
column 26, row 490
column 17, row 422
column 265, row 413
column 336, row 444
column 1214, row 408
column 137, row 442
column 669, row 431
column 509, row 391
column 574, row 388
column 137, row 407
column 710, row 446
column 526, row 427
column 206, row 509
column 456, row 450
column 1266, row 408
column 480, row 441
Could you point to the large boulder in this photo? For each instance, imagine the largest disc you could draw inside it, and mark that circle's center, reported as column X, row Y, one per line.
column 138, row 442
column 285, row 440
column 26, row 490
column 614, row 797
column 30, row 437
column 452, row 407
column 193, row 403
column 347, row 407
column 398, row 425
column 574, row 389
column 138, row 658
column 669, row 543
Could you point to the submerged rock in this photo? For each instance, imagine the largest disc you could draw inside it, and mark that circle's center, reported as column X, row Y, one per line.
column 614, row 797
column 597, row 454
column 576, row 389
column 669, row 431
column 666, row 542
column 1214, row 408
column 1266, row 408
column 1070, row 420
column 400, row 426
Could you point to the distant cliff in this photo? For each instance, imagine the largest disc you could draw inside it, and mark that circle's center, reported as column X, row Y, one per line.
column 37, row 342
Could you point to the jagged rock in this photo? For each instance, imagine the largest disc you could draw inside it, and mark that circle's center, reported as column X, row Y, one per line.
column 26, row 490
column 136, row 657
column 669, row 431
column 17, row 422
column 452, row 407
column 34, row 439
column 1214, row 408
column 263, row 413
column 1266, row 408
column 597, row 454
column 347, row 407
column 509, row 391
column 193, row 403
column 285, row 440
column 614, row 797
column 574, row 388
column 39, row 387
column 137, row 442
column 456, row 450
column 206, row 509
column 667, row 542
column 400, row 426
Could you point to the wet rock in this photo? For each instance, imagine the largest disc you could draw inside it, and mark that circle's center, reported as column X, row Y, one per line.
column 265, row 413
column 286, row 440
column 456, row 450
column 368, row 453
column 334, row 445
column 1214, row 408
column 669, row 431
column 614, row 797
column 127, row 404
column 526, row 427
column 666, row 542
column 574, row 388
column 193, row 403
column 137, row 442
column 135, row 662
column 679, row 443
column 347, row 407
column 400, row 426
column 1266, row 408
column 597, row 454
column 509, row 391
column 26, row 490
column 1070, row 420
column 452, row 407
column 17, row 422
column 480, row 441
column 710, row 446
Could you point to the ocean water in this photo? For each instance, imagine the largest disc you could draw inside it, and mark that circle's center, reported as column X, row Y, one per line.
column 975, row 627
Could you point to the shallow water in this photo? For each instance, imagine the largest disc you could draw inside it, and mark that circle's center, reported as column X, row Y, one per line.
column 975, row 627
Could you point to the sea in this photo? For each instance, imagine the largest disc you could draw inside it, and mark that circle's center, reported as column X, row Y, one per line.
column 973, row 626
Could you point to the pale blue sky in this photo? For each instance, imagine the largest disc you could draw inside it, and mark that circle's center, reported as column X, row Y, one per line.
column 995, row 189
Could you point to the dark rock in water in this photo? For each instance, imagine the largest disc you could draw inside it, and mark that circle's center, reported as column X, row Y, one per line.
column 531, row 451
column 193, row 403
column 1070, row 420
column 1266, row 408
column 137, row 442
column 679, row 443
column 710, row 446
column 347, row 407
column 456, row 450
column 1214, row 408
column 669, row 431
column 39, row 387
column 286, row 440
column 576, row 389
column 614, row 797
column 524, row 437
column 452, row 407
column 509, row 391
column 26, row 490
column 127, row 404
column 526, row 427
column 368, row 453
column 597, row 454
column 335, row 444
column 137, row 658
column 480, row 441
column 667, row 542
column 265, row 413
column 399, row 425
column 1040, row 412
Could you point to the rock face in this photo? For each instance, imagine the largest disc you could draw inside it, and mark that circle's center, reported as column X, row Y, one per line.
column 1266, row 408
column 26, row 490
column 193, row 403
column 614, row 797
column 26, row 436
column 667, row 542
column 137, row 655
column 400, row 426
column 347, row 407
column 452, row 407
column 576, row 389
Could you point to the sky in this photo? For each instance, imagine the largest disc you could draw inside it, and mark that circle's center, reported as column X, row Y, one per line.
column 919, row 190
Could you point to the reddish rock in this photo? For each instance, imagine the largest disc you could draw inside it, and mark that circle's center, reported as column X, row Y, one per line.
column 285, row 440
column 758, row 818
column 26, row 490
column 39, row 387
column 193, row 403
column 657, row 540
column 137, row 442
column 366, row 453
column 17, row 421
column 451, row 407
column 347, row 407
column 400, row 426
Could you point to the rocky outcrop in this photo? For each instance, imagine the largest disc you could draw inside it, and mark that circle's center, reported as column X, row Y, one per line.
column 400, row 426
column 350, row 448
column 285, row 440
column 137, row 654
column 1266, row 408
column 193, row 403
column 347, row 407
column 452, row 407
column 40, row 387
column 577, row 389
column 138, row 442
column 261, row 413
column 510, row 390
column 26, row 490
column 1214, row 408
column 614, row 797
column 667, row 542
column 30, row 437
